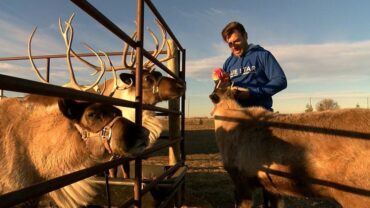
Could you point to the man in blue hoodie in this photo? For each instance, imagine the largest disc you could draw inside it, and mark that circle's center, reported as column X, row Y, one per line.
column 255, row 73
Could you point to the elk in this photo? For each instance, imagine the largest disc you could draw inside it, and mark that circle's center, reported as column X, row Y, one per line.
column 317, row 154
column 156, row 87
column 46, row 137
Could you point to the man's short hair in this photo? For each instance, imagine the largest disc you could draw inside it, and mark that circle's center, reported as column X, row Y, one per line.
column 231, row 27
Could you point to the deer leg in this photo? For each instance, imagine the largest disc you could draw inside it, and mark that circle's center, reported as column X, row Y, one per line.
column 113, row 172
column 125, row 167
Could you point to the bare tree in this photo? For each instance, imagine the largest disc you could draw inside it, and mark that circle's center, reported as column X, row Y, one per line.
column 327, row 104
column 309, row 108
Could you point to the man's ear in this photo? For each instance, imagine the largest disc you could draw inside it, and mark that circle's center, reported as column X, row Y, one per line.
column 71, row 109
column 127, row 78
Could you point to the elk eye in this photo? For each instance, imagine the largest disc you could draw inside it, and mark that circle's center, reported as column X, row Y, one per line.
column 92, row 115
column 149, row 79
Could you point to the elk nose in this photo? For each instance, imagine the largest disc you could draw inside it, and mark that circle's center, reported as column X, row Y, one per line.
column 215, row 98
column 181, row 85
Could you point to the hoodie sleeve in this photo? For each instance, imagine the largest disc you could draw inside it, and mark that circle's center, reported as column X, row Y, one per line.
column 275, row 75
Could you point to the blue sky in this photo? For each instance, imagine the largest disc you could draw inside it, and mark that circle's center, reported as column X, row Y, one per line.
column 323, row 46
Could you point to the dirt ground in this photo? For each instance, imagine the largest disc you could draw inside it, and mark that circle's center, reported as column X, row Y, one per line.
column 207, row 183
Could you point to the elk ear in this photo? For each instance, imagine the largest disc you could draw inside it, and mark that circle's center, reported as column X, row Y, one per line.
column 156, row 74
column 71, row 109
column 127, row 78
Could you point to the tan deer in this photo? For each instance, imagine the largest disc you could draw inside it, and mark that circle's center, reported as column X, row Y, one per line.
column 44, row 137
column 318, row 154
column 156, row 87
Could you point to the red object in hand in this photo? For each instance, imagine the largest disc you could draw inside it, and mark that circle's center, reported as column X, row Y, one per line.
column 220, row 74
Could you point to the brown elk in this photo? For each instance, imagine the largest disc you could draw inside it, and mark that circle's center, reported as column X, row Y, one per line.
column 156, row 87
column 318, row 154
column 44, row 137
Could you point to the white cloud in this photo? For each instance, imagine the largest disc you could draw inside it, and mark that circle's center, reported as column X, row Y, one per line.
column 303, row 63
column 339, row 61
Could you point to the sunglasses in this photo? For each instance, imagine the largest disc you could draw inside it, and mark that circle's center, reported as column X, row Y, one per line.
column 234, row 43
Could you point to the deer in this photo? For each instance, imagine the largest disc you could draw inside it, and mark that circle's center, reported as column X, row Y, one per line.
column 156, row 87
column 43, row 137
column 317, row 154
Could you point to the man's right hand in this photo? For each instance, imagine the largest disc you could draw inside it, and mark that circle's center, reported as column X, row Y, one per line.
column 241, row 94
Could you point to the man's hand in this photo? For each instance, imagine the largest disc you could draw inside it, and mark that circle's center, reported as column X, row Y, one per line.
column 241, row 94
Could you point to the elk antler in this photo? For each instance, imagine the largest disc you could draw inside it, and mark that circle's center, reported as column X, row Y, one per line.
column 149, row 64
column 68, row 38
column 31, row 59
column 129, row 50
column 132, row 57
column 117, row 83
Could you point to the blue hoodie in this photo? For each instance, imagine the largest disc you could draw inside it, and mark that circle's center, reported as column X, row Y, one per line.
column 257, row 70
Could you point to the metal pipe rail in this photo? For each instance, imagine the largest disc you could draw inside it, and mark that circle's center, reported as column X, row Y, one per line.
column 54, row 56
column 28, row 86
column 163, row 22
column 103, row 20
column 16, row 197
column 170, row 171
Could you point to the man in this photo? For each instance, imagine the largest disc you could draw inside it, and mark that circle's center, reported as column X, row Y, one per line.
column 255, row 73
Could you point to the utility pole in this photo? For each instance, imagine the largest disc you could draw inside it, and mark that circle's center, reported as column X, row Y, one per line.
column 188, row 106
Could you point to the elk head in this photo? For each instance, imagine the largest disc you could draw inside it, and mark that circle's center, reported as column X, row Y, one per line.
column 156, row 87
column 103, row 128
column 223, row 86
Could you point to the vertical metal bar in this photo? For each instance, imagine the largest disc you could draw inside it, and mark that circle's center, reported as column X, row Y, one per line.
column 48, row 69
column 139, row 94
column 182, row 75
column 182, row 143
column 106, row 175
column 138, row 180
column 139, row 59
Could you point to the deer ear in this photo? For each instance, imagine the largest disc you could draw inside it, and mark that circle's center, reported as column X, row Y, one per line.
column 71, row 109
column 157, row 74
column 127, row 78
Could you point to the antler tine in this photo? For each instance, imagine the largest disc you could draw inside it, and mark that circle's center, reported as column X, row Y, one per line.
column 31, row 59
column 96, row 68
column 102, row 71
column 117, row 83
column 156, row 43
column 149, row 64
column 124, row 55
column 68, row 38
column 164, row 37
column 168, row 56
column 67, row 35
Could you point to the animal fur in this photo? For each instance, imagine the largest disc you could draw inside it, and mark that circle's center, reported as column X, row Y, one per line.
column 317, row 154
column 38, row 142
column 168, row 88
